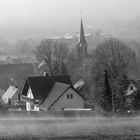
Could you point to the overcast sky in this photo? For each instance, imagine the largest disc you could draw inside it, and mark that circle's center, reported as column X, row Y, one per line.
column 29, row 17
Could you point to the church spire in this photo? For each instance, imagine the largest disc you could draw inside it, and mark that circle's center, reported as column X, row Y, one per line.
column 82, row 44
column 82, row 39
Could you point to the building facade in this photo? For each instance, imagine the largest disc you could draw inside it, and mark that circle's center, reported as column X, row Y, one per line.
column 51, row 93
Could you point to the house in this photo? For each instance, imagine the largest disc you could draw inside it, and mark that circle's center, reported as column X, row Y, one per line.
column 10, row 95
column 132, row 88
column 51, row 93
column 132, row 95
column 11, row 99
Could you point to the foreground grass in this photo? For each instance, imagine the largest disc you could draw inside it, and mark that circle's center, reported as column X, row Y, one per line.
column 96, row 127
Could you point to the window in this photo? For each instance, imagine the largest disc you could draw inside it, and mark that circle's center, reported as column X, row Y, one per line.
column 69, row 96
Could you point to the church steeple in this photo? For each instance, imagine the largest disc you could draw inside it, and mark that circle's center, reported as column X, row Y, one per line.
column 82, row 44
column 82, row 39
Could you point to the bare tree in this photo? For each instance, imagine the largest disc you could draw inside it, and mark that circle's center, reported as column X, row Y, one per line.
column 50, row 55
column 116, row 58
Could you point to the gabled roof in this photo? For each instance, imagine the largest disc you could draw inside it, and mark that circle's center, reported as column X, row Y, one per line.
column 42, row 85
column 57, row 90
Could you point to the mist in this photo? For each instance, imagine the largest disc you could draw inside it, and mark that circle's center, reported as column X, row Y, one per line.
column 71, row 127
column 40, row 18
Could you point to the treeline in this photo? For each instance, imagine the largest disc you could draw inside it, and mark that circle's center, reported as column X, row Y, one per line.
column 107, row 70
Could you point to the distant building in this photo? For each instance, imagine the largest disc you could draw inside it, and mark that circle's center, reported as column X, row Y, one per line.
column 11, row 99
column 10, row 95
column 132, row 88
column 51, row 93
column 132, row 95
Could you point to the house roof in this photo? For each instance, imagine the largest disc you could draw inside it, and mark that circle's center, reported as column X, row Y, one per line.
column 42, row 85
column 56, row 92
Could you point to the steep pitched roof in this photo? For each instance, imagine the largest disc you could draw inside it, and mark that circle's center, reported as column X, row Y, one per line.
column 42, row 85
column 82, row 39
column 57, row 90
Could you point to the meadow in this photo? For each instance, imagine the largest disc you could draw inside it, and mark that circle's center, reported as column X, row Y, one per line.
column 68, row 128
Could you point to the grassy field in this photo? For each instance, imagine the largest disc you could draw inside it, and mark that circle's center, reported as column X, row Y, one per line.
column 86, row 128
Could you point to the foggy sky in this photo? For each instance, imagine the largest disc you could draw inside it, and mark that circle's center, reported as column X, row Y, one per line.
column 30, row 18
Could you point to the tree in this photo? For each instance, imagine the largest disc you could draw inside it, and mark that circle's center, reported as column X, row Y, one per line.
column 63, row 69
column 50, row 55
column 117, row 59
column 107, row 94
column 124, row 82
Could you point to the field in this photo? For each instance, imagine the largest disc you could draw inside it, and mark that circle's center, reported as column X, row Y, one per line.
column 69, row 128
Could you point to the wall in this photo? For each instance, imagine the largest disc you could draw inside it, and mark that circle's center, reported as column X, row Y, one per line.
column 63, row 102
column 29, row 106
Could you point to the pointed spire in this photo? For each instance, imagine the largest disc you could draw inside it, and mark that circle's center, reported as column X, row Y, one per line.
column 82, row 44
column 82, row 39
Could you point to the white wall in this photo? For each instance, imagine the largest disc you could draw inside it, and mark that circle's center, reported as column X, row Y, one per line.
column 29, row 106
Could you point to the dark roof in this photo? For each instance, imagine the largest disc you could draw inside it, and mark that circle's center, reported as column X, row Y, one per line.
column 41, row 86
column 56, row 93
column 18, row 72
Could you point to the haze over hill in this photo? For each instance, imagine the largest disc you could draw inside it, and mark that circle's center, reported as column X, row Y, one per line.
column 23, row 19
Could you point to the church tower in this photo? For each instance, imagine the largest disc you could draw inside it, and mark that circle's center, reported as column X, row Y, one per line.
column 82, row 44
